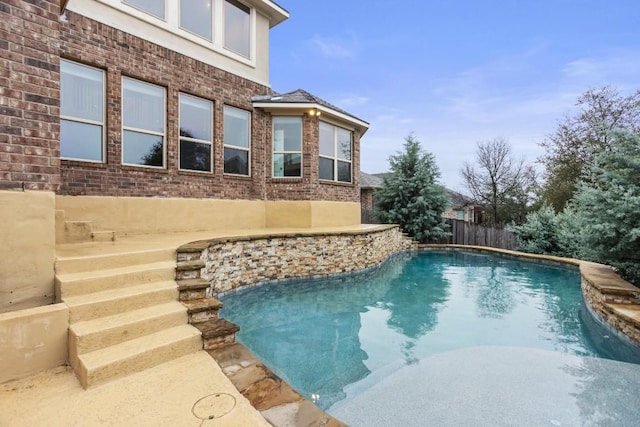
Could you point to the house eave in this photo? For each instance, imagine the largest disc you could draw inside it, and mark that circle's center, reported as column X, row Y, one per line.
column 304, row 107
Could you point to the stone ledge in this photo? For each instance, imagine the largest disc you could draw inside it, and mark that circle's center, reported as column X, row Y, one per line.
column 274, row 398
column 216, row 328
column 201, row 245
column 202, row 304
column 192, row 284
column 190, row 265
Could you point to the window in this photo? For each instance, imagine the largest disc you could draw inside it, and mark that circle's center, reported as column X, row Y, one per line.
column 154, row 7
column 81, row 112
column 195, row 133
column 335, row 153
column 237, row 27
column 460, row 215
column 143, row 109
column 287, row 147
column 236, row 141
column 197, row 16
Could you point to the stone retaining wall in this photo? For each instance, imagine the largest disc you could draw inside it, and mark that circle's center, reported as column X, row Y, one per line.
column 236, row 262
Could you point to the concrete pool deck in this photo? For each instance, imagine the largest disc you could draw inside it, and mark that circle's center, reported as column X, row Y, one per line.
column 160, row 395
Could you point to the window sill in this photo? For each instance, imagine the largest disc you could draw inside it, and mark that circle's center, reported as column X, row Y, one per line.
column 83, row 163
column 208, row 174
column 238, row 177
column 338, row 183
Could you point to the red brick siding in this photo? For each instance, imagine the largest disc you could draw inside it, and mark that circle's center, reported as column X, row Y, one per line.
column 29, row 94
column 366, row 198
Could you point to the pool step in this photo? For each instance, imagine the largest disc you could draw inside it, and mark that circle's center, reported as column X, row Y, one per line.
column 217, row 333
column 189, row 269
column 202, row 309
column 191, row 289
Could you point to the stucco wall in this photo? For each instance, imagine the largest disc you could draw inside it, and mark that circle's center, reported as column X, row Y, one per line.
column 27, row 251
column 33, row 340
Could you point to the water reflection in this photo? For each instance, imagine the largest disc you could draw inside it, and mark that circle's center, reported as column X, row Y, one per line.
column 331, row 337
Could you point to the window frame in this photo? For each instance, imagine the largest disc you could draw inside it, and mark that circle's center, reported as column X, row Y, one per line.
column 195, row 140
column 225, row 4
column 237, row 147
column 212, row 16
column 336, row 159
column 75, row 119
column 141, row 9
column 274, row 151
column 144, row 131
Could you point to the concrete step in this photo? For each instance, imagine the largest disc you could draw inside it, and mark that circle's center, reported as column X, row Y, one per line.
column 203, row 309
column 136, row 355
column 217, row 333
column 114, row 301
column 95, row 334
column 73, row 284
column 115, row 260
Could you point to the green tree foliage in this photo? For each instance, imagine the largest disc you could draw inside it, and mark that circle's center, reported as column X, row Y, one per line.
column 545, row 232
column 609, row 205
column 411, row 196
column 571, row 148
column 500, row 182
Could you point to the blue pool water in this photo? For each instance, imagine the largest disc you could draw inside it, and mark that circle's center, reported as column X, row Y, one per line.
column 333, row 338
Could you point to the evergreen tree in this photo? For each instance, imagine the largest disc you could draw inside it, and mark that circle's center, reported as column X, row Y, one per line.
column 608, row 202
column 411, row 196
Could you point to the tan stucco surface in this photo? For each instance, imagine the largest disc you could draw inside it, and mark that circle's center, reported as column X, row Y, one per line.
column 334, row 214
column 141, row 215
column 32, row 340
column 27, row 249
column 160, row 396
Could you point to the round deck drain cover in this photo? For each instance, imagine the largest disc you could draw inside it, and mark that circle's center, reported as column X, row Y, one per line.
column 215, row 405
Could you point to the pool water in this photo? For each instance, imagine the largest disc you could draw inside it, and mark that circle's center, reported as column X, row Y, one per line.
column 332, row 338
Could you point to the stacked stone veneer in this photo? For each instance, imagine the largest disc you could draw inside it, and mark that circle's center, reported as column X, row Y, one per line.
column 231, row 263
column 613, row 300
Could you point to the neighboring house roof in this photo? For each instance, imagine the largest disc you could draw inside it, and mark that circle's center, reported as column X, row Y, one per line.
column 459, row 200
column 370, row 181
column 301, row 99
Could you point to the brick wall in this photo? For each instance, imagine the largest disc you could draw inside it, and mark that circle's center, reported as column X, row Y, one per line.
column 29, row 94
column 121, row 54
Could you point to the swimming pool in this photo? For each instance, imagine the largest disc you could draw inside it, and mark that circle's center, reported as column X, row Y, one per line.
column 332, row 339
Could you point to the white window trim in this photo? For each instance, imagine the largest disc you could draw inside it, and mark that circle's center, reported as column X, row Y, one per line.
column 200, row 36
column 92, row 122
column 252, row 26
column 171, row 23
column 162, row 18
column 201, row 141
column 336, row 159
column 273, row 163
column 144, row 131
column 235, row 147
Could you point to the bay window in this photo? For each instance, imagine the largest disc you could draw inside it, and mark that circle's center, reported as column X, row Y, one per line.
column 287, row 147
column 196, row 16
column 335, row 153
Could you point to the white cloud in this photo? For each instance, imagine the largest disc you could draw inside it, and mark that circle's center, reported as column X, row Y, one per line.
column 350, row 101
column 335, row 48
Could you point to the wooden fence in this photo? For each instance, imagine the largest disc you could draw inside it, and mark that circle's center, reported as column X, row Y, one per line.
column 464, row 233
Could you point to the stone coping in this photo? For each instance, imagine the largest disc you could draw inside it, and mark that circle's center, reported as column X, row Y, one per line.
column 200, row 245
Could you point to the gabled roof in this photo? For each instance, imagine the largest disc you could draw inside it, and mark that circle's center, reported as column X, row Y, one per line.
column 370, row 181
column 301, row 99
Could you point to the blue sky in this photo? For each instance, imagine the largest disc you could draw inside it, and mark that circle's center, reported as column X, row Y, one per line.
column 455, row 73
